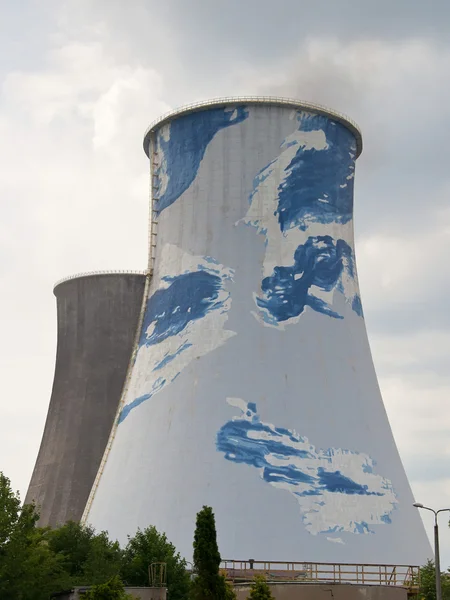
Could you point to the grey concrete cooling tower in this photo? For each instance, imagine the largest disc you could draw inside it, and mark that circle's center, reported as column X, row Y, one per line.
column 98, row 316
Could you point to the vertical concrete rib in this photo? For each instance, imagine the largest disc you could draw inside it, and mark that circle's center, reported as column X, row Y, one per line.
column 97, row 321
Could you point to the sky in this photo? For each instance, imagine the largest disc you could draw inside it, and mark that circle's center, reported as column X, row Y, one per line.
column 80, row 81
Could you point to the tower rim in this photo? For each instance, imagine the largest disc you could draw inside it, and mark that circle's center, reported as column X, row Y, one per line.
column 256, row 101
column 86, row 274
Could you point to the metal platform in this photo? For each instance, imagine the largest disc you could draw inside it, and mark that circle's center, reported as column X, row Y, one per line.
column 406, row 576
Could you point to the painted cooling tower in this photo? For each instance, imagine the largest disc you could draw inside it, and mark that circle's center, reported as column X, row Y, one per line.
column 253, row 389
column 98, row 317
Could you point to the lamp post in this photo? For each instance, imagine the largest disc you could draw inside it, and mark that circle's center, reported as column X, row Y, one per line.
column 437, row 564
column 192, row 574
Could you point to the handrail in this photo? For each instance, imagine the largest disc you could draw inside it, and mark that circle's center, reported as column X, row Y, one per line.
column 311, row 572
column 274, row 100
column 94, row 273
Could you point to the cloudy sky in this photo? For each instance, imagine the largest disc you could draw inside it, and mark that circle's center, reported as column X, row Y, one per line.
column 80, row 80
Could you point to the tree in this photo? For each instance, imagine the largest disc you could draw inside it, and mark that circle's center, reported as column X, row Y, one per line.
column 87, row 557
column 9, row 510
column 260, row 590
column 230, row 594
column 147, row 547
column 111, row 590
column 428, row 583
column 34, row 561
column 208, row 583
column 28, row 569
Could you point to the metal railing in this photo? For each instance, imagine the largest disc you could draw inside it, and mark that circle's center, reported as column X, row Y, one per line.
column 303, row 572
column 95, row 274
column 274, row 100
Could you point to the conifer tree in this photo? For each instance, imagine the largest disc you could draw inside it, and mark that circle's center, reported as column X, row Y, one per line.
column 208, row 584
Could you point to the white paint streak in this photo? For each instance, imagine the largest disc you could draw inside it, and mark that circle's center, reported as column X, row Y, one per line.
column 238, row 403
column 198, row 338
column 174, row 261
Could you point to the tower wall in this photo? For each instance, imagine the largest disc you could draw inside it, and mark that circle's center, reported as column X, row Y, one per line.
column 253, row 388
column 97, row 322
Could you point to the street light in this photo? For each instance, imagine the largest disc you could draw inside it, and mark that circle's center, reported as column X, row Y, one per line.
column 437, row 564
column 192, row 574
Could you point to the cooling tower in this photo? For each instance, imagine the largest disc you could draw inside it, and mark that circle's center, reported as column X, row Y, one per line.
column 98, row 317
column 252, row 388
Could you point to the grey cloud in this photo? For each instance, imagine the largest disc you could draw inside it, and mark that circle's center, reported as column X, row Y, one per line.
column 24, row 28
column 403, row 171
column 261, row 31
column 428, row 467
column 400, row 319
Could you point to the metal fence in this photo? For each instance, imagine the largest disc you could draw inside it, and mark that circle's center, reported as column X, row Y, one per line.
column 95, row 274
column 393, row 575
column 252, row 100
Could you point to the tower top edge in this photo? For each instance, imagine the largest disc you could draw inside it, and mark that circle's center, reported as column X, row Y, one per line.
column 96, row 274
column 256, row 100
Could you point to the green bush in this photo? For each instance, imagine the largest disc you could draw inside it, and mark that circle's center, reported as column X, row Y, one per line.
column 428, row 583
column 147, row 547
column 88, row 558
column 111, row 590
column 260, row 590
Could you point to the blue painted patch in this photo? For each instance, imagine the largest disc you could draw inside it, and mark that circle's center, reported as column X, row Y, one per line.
column 334, row 529
column 288, row 474
column 313, row 122
column 318, row 262
column 172, row 326
column 357, row 306
column 189, row 297
column 234, row 440
column 252, row 442
column 362, row 527
column 319, row 183
column 137, row 401
column 285, row 459
column 336, row 482
column 189, row 137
